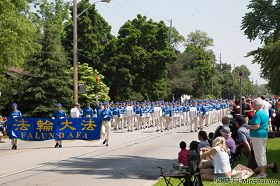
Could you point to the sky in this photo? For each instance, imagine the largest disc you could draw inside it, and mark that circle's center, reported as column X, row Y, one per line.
column 221, row 19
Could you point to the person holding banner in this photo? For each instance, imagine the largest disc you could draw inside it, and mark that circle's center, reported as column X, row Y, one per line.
column 58, row 114
column 15, row 114
column 106, row 115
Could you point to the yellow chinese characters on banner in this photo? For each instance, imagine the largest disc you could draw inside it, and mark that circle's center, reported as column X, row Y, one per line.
column 22, row 125
column 67, row 124
column 88, row 125
column 44, row 126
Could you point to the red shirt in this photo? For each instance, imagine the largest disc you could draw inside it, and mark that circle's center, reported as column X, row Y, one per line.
column 183, row 157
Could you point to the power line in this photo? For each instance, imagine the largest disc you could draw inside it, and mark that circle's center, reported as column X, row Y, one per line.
column 116, row 12
column 126, row 10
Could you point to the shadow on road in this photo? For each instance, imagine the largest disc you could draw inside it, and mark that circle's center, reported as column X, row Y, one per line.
column 123, row 167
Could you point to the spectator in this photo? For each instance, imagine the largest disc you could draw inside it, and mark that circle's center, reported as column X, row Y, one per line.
column 236, row 109
column 202, row 136
column 244, row 147
column 225, row 122
column 266, row 105
column 210, row 138
column 248, row 111
column 221, row 163
column 225, row 131
column 276, row 123
column 183, row 155
column 2, row 128
column 258, row 135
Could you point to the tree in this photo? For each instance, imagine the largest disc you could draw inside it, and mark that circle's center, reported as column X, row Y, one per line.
column 262, row 21
column 180, row 78
column 201, row 61
column 17, row 32
column 176, row 38
column 47, row 82
column 199, row 39
column 96, row 90
column 136, row 62
column 93, row 35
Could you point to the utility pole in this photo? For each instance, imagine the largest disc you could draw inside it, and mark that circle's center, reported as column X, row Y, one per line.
column 220, row 62
column 75, row 50
column 75, row 43
column 170, row 33
column 241, row 75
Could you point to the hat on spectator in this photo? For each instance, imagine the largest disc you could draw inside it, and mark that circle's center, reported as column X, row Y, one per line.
column 59, row 105
column 14, row 105
column 225, row 130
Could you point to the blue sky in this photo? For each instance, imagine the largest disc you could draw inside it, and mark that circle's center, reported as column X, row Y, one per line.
column 221, row 19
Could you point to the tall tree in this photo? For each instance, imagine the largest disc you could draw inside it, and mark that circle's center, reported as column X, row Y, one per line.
column 48, row 82
column 17, row 33
column 136, row 62
column 262, row 22
column 180, row 78
column 93, row 35
column 201, row 61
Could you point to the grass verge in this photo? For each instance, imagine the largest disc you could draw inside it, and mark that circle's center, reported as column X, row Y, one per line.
column 273, row 155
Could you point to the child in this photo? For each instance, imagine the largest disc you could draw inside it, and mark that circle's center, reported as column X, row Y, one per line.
column 183, row 155
column 202, row 136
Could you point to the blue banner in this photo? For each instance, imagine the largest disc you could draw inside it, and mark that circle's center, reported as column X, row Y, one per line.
column 39, row 129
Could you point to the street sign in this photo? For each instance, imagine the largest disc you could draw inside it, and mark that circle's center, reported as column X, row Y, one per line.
column 241, row 75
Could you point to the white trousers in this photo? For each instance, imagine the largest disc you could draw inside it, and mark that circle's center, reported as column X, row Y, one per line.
column 259, row 147
column 105, row 130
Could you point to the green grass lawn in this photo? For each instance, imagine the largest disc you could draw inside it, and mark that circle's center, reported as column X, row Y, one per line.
column 273, row 155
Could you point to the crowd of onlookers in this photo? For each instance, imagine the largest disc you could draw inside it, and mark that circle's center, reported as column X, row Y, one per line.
column 245, row 134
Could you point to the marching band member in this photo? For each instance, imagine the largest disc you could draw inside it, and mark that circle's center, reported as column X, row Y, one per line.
column 106, row 115
column 205, row 113
column 168, row 112
column 81, row 111
column 15, row 114
column 59, row 114
column 129, row 117
column 158, row 118
column 75, row 112
column 88, row 112
column 193, row 117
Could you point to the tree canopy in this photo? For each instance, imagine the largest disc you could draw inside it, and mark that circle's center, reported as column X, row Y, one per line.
column 262, row 22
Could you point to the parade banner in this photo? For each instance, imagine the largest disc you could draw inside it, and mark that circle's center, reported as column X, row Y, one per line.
column 78, row 128
column 39, row 129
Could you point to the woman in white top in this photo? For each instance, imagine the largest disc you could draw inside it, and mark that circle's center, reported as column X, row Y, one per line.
column 219, row 154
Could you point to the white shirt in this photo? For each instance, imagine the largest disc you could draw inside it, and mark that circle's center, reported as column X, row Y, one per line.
column 221, row 161
column 129, row 110
column 266, row 106
column 75, row 113
column 158, row 111
column 193, row 111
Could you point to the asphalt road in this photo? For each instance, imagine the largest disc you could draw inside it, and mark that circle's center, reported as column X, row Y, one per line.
column 131, row 159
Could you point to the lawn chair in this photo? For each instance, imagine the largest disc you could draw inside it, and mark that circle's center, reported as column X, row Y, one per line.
column 188, row 176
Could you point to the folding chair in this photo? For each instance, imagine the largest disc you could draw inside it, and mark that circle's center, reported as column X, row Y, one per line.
column 183, row 177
